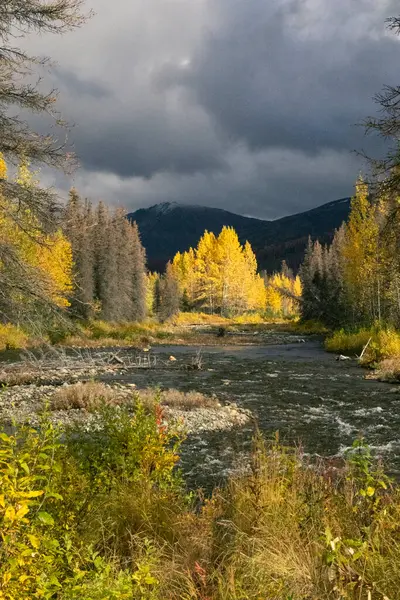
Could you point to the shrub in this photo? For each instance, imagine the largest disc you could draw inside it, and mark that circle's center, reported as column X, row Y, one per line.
column 12, row 337
column 309, row 327
column 52, row 492
column 383, row 343
column 121, row 445
column 84, row 395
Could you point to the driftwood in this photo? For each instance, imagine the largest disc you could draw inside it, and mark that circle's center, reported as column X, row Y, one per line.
column 364, row 349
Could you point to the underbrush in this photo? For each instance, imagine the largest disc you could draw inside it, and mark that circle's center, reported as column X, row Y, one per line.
column 308, row 327
column 101, row 513
column 12, row 337
column 382, row 343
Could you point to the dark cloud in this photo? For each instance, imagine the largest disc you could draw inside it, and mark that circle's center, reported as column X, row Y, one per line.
column 73, row 84
column 247, row 105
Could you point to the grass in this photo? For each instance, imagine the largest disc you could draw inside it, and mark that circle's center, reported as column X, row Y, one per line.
column 109, row 517
column 387, row 370
column 84, row 395
column 92, row 395
column 177, row 399
column 308, row 327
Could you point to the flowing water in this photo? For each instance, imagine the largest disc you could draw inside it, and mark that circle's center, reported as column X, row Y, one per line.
column 295, row 388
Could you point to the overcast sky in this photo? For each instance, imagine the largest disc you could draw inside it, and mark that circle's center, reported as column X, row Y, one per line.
column 247, row 105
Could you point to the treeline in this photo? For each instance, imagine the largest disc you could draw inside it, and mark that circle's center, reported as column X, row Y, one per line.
column 109, row 262
column 219, row 275
column 356, row 280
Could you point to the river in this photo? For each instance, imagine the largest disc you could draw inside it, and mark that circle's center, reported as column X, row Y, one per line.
column 297, row 389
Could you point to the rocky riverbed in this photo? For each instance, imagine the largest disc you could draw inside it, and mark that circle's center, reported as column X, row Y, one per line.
column 25, row 404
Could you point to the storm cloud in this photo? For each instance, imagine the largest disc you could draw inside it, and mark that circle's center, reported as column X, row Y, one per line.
column 247, row 105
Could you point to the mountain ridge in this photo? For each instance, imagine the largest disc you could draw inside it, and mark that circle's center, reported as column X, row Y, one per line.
column 169, row 227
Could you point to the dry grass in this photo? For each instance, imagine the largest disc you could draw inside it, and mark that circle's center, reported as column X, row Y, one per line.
column 92, row 395
column 85, row 396
column 285, row 532
column 387, row 370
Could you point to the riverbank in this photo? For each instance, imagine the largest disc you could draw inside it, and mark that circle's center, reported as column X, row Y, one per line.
column 101, row 513
column 183, row 329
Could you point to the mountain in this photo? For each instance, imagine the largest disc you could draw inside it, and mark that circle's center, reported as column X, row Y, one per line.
column 169, row 227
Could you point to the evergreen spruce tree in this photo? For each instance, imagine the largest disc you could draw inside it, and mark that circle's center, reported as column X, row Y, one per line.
column 99, row 242
column 138, row 275
column 77, row 225
column 169, row 294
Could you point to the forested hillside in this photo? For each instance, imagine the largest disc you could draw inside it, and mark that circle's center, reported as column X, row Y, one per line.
column 169, row 228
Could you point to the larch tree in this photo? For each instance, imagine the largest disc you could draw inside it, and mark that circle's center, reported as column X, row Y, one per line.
column 36, row 269
column 219, row 275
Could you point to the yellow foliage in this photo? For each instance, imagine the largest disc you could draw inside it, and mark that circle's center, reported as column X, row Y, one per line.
column 3, row 167
column 282, row 292
column 220, row 274
column 12, row 337
column 361, row 252
column 50, row 256
column 383, row 343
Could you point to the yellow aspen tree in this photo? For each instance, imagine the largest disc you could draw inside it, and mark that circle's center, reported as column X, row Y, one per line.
column 255, row 292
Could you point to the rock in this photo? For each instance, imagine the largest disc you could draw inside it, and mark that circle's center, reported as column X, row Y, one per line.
column 172, row 358
column 342, row 357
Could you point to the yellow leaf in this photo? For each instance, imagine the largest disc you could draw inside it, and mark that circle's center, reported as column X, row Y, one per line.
column 33, row 494
column 34, row 541
column 21, row 512
column 2, row 501
column 10, row 513
column 6, row 577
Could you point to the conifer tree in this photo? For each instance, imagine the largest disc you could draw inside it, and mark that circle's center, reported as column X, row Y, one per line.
column 168, row 294
column 138, row 274
column 77, row 225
